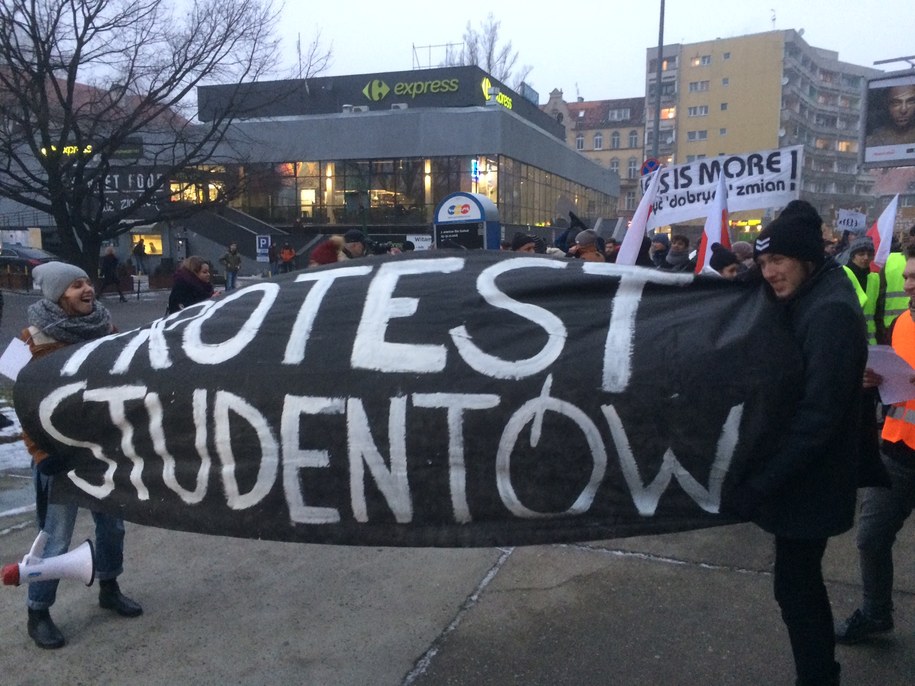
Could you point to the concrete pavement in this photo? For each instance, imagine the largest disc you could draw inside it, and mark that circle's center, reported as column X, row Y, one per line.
column 691, row 608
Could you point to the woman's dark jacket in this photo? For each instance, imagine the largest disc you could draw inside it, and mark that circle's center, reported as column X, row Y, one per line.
column 807, row 483
column 188, row 290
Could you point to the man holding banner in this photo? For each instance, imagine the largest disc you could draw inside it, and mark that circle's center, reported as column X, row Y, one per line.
column 805, row 491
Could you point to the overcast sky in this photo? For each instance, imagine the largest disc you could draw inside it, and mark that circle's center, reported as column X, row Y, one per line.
column 592, row 49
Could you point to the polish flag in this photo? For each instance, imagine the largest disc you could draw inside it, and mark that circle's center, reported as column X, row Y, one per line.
column 638, row 227
column 882, row 234
column 716, row 225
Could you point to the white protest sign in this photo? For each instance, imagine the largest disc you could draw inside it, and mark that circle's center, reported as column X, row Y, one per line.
column 14, row 358
column 757, row 180
column 850, row 220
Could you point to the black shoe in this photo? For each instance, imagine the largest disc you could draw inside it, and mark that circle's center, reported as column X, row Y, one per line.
column 860, row 627
column 111, row 598
column 123, row 299
column 43, row 631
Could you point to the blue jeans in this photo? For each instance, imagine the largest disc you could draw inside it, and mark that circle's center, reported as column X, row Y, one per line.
column 59, row 521
column 883, row 512
column 231, row 280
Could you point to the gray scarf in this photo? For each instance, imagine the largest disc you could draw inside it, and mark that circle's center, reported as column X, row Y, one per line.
column 51, row 320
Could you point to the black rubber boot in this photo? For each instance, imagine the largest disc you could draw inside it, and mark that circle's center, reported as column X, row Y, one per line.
column 43, row 631
column 111, row 598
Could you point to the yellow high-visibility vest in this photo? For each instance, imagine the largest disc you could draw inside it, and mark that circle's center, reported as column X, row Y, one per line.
column 868, row 300
column 896, row 301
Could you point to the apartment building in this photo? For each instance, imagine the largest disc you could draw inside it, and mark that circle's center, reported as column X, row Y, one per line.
column 609, row 132
column 758, row 92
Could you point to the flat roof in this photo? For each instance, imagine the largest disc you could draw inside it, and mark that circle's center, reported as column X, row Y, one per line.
column 440, row 87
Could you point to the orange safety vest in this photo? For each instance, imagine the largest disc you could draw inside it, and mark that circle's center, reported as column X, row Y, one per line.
column 899, row 424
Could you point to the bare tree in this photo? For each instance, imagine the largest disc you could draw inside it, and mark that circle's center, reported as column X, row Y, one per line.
column 481, row 47
column 316, row 58
column 93, row 89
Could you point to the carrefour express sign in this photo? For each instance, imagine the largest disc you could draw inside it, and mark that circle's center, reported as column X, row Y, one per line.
column 377, row 89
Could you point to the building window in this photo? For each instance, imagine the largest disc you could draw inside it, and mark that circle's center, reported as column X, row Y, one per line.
column 697, row 86
column 580, row 141
column 615, row 140
column 701, row 60
column 630, row 200
column 722, row 132
column 669, row 113
column 724, row 107
column 697, row 111
column 846, row 146
column 598, row 141
column 619, row 115
column 633, row 168
column 615, row 165
column 633, row 139
column 667, row 88
column 727, row 55
column 725, row 81
column 697, row 135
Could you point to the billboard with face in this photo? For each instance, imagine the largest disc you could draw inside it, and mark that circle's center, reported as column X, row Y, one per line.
column 889, row 133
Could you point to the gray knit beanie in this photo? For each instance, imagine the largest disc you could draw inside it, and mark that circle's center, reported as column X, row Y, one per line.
column 53, row 278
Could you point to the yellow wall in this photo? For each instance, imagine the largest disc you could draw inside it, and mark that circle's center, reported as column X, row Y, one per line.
column 753, row 95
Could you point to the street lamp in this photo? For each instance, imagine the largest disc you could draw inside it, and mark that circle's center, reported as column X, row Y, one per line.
column 657, row 99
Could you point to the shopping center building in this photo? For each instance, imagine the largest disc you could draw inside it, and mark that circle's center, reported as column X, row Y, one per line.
column 380, row 151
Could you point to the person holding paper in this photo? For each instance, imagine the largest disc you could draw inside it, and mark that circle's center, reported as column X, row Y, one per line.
column 68, row 313
column 884, row 511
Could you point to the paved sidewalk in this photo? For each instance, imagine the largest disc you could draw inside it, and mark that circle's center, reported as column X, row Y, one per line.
column 692, row 608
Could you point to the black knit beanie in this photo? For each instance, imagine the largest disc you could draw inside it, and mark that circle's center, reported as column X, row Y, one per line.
column 521, row 239
column 797, row 232
column 721, row 257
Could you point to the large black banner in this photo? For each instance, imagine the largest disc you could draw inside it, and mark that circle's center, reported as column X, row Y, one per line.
column 451, row 399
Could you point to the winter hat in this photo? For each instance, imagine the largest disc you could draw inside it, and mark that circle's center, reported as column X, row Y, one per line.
column 354, row 236
column 743, row 250
column 520, row 240
column 586, row 238
column 860, row 244
column 53, row 278
column 721, row 257
column 797, row 232
column 660, row 238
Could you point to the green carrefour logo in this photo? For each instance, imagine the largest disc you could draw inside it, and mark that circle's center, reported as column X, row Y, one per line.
column 376, row 90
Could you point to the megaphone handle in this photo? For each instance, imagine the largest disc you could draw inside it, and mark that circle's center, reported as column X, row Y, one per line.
column 37, row 550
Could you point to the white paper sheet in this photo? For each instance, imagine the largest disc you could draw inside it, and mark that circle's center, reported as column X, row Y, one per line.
column 896, row 373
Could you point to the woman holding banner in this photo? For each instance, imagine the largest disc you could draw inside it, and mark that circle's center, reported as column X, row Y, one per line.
column 68, row 313
column 192, row 284
column 803, row 489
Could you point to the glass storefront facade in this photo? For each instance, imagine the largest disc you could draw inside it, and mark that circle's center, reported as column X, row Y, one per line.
column 393, row 192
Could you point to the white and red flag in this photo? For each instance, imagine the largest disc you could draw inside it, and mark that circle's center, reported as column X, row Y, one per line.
column 881, row 233
column 638, row 227
column 716, row 225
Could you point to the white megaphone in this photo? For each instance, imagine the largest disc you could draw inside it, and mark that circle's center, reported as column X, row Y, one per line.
column 79, row 564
